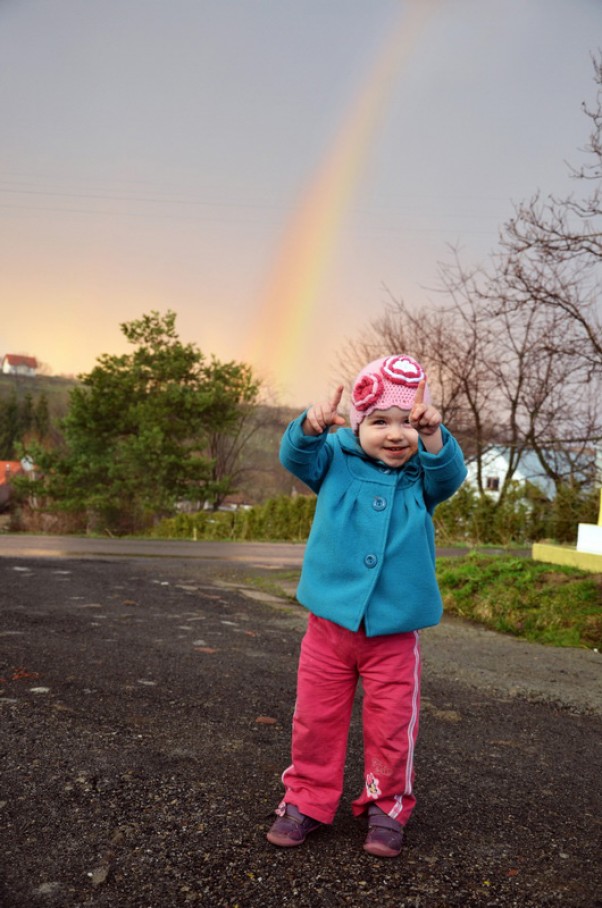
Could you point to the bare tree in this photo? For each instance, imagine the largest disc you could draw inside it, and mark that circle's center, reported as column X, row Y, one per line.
column 552, row 250
column 513, row 350
column 229, row 450
column 547, row 275
column 453, row 343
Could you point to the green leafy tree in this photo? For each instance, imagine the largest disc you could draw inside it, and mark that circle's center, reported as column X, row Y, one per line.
column 19, row 418
column 26, row 414
column 138, row 429
column 41, row 416
column 10, row 427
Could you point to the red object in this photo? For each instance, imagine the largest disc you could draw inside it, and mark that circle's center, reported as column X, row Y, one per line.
column 13, row 359
column 331, row 663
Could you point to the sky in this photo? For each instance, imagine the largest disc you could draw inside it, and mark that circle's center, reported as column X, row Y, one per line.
column 270, row 170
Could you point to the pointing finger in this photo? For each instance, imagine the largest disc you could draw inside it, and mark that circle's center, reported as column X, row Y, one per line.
column 419, row 393
column 336, row 399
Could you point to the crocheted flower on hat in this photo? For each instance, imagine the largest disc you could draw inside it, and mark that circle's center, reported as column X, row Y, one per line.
column 403, row 370
column 367, row 391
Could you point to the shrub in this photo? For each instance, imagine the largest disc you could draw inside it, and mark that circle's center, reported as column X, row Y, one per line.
column 281, row 519
column 466, row 519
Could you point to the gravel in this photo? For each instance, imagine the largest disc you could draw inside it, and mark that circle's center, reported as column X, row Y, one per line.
column 146, row 708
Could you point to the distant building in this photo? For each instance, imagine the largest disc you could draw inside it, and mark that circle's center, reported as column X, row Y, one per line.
column 12, row 364
column 8, row 470
column 495, row 462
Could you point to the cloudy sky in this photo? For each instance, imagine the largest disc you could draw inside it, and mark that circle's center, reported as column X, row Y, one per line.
column 266, row 168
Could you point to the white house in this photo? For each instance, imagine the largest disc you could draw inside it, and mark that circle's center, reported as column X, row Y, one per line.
column 494, row 466
column 13, row 364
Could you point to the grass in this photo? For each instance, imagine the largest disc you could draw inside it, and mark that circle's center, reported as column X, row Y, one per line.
column 277, row 583
column 543, row 603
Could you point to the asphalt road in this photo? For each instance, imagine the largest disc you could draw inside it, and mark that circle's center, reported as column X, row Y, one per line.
column 145, row 712
column 262, row 554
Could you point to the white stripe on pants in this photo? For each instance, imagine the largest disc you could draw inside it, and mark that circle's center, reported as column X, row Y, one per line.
column 332, row 661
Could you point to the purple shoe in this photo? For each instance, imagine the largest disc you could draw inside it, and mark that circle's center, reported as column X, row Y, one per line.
column 385, row 835
column 291, row 829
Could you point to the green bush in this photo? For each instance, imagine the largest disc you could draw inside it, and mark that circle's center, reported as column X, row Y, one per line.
column 523, row 517
column 282, row 519
column 571, row 507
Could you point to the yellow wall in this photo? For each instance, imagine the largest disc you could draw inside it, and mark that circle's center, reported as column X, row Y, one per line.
column 564, row 554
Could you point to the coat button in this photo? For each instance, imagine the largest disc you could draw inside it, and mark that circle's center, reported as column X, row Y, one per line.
column 370, row 561
column 379, row 504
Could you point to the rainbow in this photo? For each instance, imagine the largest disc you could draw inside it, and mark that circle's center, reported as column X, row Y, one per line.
column 288, row 304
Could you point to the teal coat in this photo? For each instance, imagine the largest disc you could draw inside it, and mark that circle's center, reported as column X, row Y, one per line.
column 370, row 555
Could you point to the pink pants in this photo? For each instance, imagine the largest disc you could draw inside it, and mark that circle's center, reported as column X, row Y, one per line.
column 332, row 660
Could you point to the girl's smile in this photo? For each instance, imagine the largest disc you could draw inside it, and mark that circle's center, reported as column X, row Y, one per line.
column 387, row 435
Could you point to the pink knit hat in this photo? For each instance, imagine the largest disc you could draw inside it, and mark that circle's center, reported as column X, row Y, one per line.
column 388, row 382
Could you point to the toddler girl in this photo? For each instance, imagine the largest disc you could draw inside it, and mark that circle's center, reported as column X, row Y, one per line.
column 368, row 580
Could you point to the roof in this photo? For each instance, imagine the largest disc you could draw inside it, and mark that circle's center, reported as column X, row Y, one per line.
column 9, row 468
column 14, row 359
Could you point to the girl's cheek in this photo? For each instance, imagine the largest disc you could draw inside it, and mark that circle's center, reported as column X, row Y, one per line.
column 413, row 439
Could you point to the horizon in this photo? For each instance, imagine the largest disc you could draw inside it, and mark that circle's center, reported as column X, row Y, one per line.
column 280, row 174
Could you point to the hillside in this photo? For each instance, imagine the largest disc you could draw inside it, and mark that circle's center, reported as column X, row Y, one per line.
column 262, row 476
column 56, row 389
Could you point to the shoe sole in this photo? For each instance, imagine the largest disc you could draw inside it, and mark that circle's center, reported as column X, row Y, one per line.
column 381, row 851
column 283, row 841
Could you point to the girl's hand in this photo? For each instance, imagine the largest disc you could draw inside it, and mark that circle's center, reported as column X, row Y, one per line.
column 320, row 417
column 424, row 417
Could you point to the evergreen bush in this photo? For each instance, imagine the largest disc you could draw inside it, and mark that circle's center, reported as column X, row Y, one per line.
column 523, row 517
column 281, row 519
